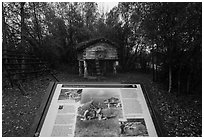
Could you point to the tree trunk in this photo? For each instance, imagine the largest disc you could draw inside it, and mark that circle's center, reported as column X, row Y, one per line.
column 130, row 63
column 153, row 70
column 22, row 25
column 170, row 79
column 38, row 30
column 156, row 63
column 170, row 56
column 4, row 30
column 156, row 69
column 188, row 83
column 179, row 80
column 23, row 43
column 124, row 58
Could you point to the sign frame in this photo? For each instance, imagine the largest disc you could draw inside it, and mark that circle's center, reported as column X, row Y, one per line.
column 44, row 107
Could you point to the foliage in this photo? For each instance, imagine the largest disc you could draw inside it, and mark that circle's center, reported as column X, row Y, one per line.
column 163, row 35
column 176, row 31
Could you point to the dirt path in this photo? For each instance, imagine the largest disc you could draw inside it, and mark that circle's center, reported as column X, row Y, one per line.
column 180, row 116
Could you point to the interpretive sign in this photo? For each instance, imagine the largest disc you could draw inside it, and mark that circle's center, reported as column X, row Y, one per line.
column 117, row 110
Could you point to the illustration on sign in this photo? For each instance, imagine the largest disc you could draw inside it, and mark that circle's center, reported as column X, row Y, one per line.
column 95, row 112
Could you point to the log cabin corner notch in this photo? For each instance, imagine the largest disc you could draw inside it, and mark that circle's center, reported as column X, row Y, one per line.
column 97, row 57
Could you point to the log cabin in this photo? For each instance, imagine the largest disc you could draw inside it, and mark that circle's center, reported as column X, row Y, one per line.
column 97, row 57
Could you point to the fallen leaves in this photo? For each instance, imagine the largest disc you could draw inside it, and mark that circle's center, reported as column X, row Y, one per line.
column 18, row 111
column 182, row 116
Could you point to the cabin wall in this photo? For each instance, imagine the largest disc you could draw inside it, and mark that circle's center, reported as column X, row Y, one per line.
column 80, row 56
column 99, row 51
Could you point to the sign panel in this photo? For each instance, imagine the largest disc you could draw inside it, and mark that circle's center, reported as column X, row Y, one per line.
column 77, row 111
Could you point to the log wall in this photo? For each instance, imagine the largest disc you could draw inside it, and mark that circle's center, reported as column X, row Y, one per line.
column 99, row 51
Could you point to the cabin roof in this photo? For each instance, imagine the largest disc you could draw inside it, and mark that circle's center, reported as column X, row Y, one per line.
column 81, row 46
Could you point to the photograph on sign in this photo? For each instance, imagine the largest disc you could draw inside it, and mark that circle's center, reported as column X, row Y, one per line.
column 99, row 115
column 70, row 94
column 133, row 127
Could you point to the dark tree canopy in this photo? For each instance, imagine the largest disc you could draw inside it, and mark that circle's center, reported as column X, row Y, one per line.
column 163, row 35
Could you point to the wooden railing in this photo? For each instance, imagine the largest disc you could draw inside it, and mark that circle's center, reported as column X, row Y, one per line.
column 20, row 66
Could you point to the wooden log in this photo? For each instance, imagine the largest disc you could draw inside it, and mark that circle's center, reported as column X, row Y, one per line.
column 85, row 69
column 30, row 63
column 29, row 72
column 80, row 70
column 23, row 91
column 14, row 58
column 115, row 67
column 18, row 69
column 20, row 55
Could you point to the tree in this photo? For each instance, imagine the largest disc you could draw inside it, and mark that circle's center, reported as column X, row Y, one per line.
column 171, row 31
column 90, row 14
column 4, row 27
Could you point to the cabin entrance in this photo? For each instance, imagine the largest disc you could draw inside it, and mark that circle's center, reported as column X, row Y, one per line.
column 103, row 67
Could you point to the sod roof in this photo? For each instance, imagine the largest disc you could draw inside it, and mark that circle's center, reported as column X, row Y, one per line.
column 81, row 46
